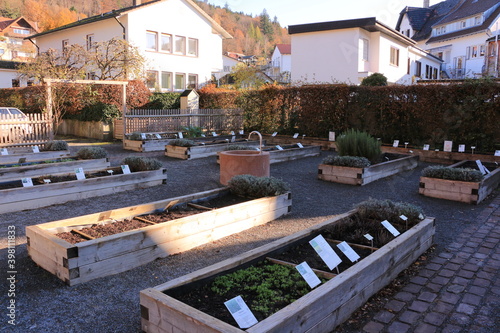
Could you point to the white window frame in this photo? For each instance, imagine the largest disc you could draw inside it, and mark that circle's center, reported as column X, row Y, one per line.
column 192, row 50
column 150, row 34
column 166, row 84
column 183, row 83
column 365, row 53
column 152, row 79
column 170, row 43
column 89, row 39
column 189, row 84
column 180, row 48
column 394, row 56
column 21, row 31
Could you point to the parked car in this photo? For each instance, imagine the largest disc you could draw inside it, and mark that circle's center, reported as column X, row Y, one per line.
column 14, row 125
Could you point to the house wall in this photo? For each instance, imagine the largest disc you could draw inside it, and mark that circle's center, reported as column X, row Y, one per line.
column 6, row 77
column 325, row 57
column 405, row 27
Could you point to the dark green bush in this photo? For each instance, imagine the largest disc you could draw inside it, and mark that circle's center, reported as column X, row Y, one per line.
column 89, row 153
column 182, row 143
column 138, row 163
column 380, row 210
column 376, row 79
column 193, row 131
column 55, row 145
column 357, row 143
column 136, row 136
column 98, row 111
column 460, row 174
column 164, row 101
column 249, row 186
column 347, row 161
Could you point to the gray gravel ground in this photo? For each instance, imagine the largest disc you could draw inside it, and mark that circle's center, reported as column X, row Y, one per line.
column 111, row 304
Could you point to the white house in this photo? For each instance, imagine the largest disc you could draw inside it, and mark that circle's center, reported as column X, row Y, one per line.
column 182, row 44
column 350, row 50
column 281, row 63
column 456, row 31
column 228, row 63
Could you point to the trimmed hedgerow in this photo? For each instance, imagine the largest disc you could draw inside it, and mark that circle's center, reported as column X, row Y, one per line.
column 380, row 210
column 138, row 163
column 461, row 174
column 182, row 143
column 347, row 161
column 55, row 145
column 249, row 186
column 89, row 153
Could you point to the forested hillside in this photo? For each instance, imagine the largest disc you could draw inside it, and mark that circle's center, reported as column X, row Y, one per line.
column 251, row 35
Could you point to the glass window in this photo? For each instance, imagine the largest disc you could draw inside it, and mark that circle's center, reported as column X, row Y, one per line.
column 192, row 81
column 166, row 43
column 418, row 69
column 180, row 45
column 151, row 40
column 474, row 52
column 151, row 79
column 166, row 80
column 394, row 56
column 180, row 82
column 364, row 49
column 90, row 41
column 21, row 31
column 193, row 47
column 482, row 50
column 477, row 20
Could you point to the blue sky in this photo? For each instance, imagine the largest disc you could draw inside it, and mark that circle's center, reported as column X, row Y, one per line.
column 290, row 12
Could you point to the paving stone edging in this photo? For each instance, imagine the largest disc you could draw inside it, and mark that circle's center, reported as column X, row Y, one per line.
column 457, row 291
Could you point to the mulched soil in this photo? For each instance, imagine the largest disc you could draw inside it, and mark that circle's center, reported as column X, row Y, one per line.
column 103, row 230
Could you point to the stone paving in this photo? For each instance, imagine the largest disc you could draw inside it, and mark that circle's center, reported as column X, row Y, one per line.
column 457, row 291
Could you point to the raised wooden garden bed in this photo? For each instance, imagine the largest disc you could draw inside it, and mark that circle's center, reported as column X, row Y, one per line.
column 363, row 176
column 289, row 153
column 468, row 192
column 442, row 157
column 21, row 198
column 325, row 144
column 87, row 260
column 155, row 144
column 206, row 150
column 53, row 166
column 31, row 157
column 320, row 310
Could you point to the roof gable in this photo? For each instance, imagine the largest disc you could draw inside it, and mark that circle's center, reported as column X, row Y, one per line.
column 6, row 22
column 284, row 48
column 469, row 8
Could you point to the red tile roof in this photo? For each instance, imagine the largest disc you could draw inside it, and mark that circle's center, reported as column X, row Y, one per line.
column 284, row 48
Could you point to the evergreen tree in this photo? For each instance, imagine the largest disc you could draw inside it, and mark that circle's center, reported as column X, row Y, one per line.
column 265, row 25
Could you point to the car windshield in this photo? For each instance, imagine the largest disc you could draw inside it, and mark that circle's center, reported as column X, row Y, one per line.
column 4, row 111
column 15, row 111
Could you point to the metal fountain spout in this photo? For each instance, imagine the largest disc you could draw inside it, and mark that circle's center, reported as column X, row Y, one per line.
column 260, row 139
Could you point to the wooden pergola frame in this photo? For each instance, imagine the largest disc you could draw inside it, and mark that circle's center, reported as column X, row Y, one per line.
column 49, row 95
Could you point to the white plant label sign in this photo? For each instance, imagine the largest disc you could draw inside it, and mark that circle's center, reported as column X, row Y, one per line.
column 181, row 136
column 233, row 138
column 143, row 136
column 368, row 236
column 461, row 148
column 391, row 228
column 296, row 135
column 279, row 147
column 274, row 134
column 125, row 169
column 4, row 151
column 242, row 132
column 497, row 152
column 36, row 149
column 426, row 147
column 232, row 133
column 331, row 136
column 27, row 182
column 300, row 145
column 203, row 135
column 348, row 251
column 80, row 175
column 240, row 312
column 482, row 168
column 308, row 274
column 158, row 136
column 325, row 251
column 448, row 146
column 395, row 144
column 403, row 217
column 214, row 134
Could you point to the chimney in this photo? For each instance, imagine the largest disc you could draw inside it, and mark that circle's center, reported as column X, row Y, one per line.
column 426, row 3
column 137, row 2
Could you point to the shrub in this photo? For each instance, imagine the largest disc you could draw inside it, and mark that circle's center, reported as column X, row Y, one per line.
column 239, row 147
column 461, row 174
column 55, row 145
column 376, row 79
column 257, row 187
column 138, row 163
column 380, row 210
column 137, row 136
column 347, row 161
column 182, row 143
column 164, row 101
column 193, row 131
column 89, row 153
column 98, row 111
column 357, row 143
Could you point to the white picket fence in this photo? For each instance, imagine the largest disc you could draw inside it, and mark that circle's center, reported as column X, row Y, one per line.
column 31, row 130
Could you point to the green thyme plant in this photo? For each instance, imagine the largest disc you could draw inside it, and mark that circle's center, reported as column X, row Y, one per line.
column 136, row 136
column 249, row 186
column 55, row 145
column 347, row 161
column 139, row 163
column 89, row 153
column 460, row 174
column 357, row 143
column 239, row 147
column 182, row 143
column 380, row 210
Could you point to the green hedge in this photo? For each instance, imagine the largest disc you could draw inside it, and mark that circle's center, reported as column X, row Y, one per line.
column 466, row 113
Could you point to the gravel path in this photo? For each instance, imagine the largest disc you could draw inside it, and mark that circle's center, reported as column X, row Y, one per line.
column 111, row 304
